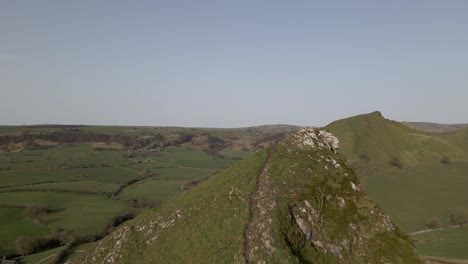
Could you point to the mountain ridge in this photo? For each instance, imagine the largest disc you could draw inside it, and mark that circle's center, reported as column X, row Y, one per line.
column 296, row 201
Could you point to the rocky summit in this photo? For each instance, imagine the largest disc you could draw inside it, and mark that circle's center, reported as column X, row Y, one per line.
column 294, row 202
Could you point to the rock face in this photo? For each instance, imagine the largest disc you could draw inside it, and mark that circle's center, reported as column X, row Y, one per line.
column 296, row 202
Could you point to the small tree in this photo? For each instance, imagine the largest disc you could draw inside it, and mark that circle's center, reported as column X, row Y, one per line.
column 445, row 160
column 433, row 223
column 459, row 216
column 24, row 245
column 395, row 161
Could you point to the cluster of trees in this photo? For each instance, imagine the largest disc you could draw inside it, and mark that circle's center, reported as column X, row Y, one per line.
column 37, row 213
column 72, row 136
column 215, row 145
column 26, row 245
column 142, row 203
column 183, row 138
column 458, row 216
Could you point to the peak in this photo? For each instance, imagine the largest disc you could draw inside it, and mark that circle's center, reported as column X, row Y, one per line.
column 315, row 138
column 377, row 113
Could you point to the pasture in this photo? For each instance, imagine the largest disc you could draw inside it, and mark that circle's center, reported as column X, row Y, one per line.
column 78, row 183
column 449, row 243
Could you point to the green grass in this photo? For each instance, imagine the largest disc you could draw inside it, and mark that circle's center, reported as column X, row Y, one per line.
column 413, row 195
column 44, row 256
column 77, row 186
column 80, row 213
column 207, row 224
column 211, row 229
column 155, row 190
column 109, row 175
column 423, row 187
column 13, row 224
column 72, row 178
column 450, row 243
column 192, row 158
column 28, row 177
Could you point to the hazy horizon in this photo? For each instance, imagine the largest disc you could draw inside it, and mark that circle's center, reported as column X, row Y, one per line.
column 231, row 64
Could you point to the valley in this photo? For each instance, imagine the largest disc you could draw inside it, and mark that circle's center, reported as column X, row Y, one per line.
column 88, row 180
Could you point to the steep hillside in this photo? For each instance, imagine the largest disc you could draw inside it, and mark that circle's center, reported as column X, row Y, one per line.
column 296, row 201
column 415, row 175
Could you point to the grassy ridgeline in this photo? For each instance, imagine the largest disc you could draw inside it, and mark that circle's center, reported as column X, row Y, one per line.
column 284, row 191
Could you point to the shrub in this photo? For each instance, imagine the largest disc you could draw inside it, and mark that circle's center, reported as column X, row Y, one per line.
column 433, row 223
column 445, row 160
column 364, row 156
column 459, row 216
column 395, row 161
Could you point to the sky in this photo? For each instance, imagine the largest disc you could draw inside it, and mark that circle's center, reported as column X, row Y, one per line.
column 232, row 63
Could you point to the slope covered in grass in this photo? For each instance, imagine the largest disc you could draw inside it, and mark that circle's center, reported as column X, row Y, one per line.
column 295, row 202
column 401, row 167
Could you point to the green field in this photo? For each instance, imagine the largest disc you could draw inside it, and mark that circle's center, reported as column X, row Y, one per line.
column 416, row 187
column 450, row 243
column 13, row 224
column 413, row 195
column 76, row 181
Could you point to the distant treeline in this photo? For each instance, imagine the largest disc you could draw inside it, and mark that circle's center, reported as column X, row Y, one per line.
column 73, row 136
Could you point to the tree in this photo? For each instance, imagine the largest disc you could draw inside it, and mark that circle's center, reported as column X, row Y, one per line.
column 459, row 216
column 1, row 247
column 445, row 160
column 24, row 245
column 433, row 223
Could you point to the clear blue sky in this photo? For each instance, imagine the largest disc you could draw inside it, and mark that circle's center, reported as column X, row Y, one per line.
column 232, row 63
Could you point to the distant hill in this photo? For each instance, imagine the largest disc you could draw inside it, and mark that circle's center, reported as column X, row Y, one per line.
column 434, row 127
column 294, row 202
column 413, row 174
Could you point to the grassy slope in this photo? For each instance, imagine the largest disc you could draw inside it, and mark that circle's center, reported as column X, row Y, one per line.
column 210, row 225
column 207, row 223
column 424, row 187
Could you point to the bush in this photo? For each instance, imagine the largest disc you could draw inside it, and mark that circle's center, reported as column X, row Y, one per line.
column 364, row 156
column 459, row 216
column 395, row 161
column 445, row 160
column 433, row 223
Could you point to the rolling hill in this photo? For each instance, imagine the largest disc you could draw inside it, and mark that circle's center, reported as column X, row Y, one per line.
column 414, row 174
column 293, row 202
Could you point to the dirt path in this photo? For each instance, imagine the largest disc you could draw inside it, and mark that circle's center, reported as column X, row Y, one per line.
column 432, row 230
column 257, row 234
column 440, row 260
column 48, row 257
